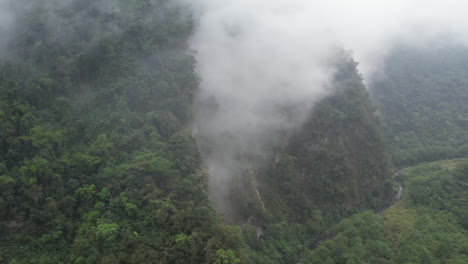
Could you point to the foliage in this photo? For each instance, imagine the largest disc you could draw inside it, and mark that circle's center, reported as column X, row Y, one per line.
column 95, row 162
column 428, row 226
column 422, row 102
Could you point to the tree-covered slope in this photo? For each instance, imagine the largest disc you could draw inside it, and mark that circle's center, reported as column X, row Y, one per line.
column 340, row 156
column 428, row 226
column 422, row 98
column 96, row 165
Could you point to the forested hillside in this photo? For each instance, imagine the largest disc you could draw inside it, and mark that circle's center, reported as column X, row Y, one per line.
column 428, row 226
column 421, row 95
column 422, row 99
column 96, row 163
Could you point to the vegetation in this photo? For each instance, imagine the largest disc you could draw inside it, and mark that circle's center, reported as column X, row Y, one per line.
column 428, row 226
column 95, row 163
column 422, row 102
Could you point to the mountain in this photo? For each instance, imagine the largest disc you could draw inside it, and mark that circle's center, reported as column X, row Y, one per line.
column 98, row 165
column 334, row 165
column 421, row 96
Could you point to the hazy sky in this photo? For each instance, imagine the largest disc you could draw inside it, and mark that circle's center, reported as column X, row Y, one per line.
column 368, row 27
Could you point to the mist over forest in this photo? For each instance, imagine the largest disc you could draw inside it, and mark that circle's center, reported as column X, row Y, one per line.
column 223, row 132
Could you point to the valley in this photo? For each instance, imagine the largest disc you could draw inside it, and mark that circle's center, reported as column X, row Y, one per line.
column 168, row 132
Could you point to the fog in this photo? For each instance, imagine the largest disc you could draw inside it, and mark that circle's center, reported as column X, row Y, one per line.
column 264, row 63
column 6, row 20
column 56, row 22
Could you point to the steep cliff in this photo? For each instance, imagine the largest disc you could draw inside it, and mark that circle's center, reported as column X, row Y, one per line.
column 335, row 163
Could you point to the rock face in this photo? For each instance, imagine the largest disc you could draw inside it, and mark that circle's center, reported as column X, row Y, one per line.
column 334, row 163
